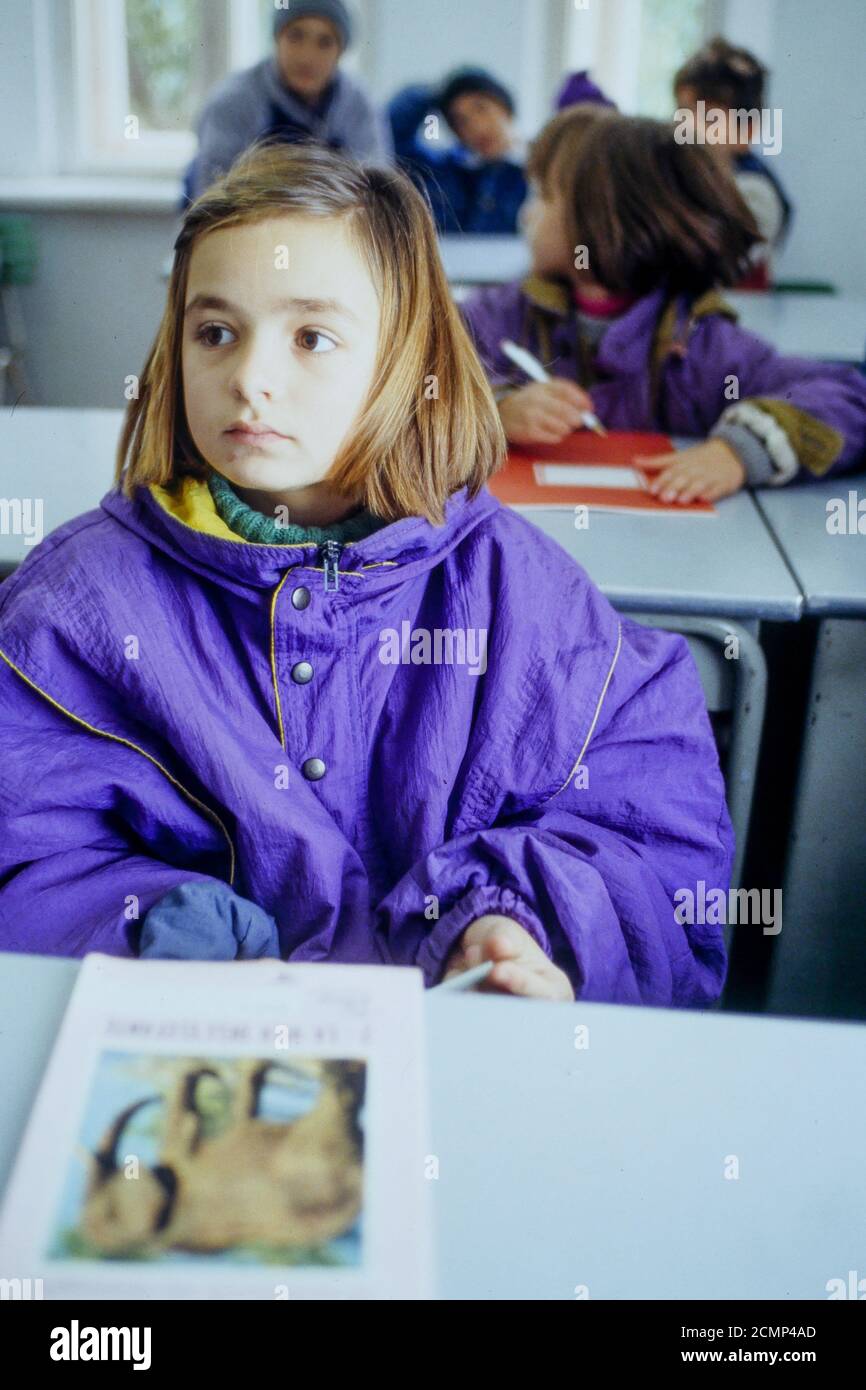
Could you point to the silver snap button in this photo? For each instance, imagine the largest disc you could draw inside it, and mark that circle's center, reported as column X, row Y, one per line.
column 302, row 672
column 313, row 769
column 300, row 597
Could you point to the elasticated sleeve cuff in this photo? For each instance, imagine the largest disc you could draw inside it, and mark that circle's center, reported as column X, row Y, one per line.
column 478, row 902
column 754, row 457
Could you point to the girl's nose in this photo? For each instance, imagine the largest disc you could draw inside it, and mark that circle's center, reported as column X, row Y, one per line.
column 255, row 373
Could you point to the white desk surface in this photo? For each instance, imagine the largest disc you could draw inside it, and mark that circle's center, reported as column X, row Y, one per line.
column 828, row 326
column 64, row 457
column 726, row 565
column 603, row 1166
column 484, row 260
column 830, row 569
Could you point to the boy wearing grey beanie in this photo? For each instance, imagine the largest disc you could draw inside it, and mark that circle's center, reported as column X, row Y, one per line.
column 299, row 92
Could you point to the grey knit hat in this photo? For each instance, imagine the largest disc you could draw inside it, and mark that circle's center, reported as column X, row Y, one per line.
column 334, row 10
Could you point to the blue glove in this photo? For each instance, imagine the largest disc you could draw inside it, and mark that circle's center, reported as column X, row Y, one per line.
column 207, row 921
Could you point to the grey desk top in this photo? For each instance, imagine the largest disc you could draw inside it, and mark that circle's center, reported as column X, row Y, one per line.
column 605, row 1165
column 830, row 568
column 484, row 260
column 62, row 460
column 829, row 326
column 726, row 565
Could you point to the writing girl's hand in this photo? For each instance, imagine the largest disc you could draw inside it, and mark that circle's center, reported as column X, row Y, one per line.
column 543, row 412
column 521, row 965
column 702, row 473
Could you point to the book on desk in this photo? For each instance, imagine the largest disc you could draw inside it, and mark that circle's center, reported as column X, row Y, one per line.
column 244, row 1130
column 606, row 472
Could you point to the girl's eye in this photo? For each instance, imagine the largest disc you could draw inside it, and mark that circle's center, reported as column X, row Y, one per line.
column 203, row 334
column 309, row 338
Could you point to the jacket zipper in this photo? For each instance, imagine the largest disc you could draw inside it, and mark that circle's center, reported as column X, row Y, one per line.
column 329, row 553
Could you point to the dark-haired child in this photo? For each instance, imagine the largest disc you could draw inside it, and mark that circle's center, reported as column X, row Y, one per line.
column 631, row 235
column 479, row 185
column 723, row 88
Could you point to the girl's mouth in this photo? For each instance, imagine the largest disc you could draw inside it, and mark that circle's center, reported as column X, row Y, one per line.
column 242, row 435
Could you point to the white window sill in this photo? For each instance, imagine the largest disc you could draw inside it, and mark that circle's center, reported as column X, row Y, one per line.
column 91, row 193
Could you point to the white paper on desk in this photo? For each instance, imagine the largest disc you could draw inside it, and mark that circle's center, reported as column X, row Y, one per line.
column 586, row 475
column 277, row 1151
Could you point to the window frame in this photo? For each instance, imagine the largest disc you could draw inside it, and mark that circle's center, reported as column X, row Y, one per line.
column 606, row 40
column 95, row 87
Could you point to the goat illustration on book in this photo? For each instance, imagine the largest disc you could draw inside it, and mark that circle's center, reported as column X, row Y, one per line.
column 226, row 1178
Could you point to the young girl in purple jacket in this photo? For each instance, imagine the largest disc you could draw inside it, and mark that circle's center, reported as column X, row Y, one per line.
column 301, row 687
column 631, row 235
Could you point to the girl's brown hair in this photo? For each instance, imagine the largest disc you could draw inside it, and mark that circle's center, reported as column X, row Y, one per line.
column 555, row 152
column 652, row 212
column 429, row 424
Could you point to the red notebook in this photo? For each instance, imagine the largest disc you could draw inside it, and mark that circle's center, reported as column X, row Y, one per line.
column 591, row 470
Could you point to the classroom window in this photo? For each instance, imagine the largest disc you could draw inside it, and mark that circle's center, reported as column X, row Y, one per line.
column 143, row 70
column 670, row 30
column 171, row 55
column 634, row 47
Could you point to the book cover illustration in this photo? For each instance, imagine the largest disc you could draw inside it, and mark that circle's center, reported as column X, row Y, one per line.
column 201, row 1158
column 228, row 1130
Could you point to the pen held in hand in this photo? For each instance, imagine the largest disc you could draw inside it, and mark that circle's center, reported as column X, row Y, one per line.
column 467, row 979
column 536, row 372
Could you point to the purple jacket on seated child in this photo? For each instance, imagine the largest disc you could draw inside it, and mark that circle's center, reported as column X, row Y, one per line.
column 686, row 368
column 192, row 720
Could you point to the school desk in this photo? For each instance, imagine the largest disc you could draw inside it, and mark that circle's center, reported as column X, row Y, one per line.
column 484, row 260
column 816, row 527
column 589, row 1150
column 725, row 564
column 55, row 459
column 828, row 326
column 819, row 958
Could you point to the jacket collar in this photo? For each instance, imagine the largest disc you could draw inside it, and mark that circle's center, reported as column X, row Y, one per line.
column 183, row 522
column 549, row 295
column 654, row 322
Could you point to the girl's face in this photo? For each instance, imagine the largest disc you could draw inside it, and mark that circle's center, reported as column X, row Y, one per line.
column 280, row 342
column 544, row 224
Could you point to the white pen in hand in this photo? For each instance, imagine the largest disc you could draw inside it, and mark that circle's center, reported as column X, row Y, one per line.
column 534, row 370
column 467, row 979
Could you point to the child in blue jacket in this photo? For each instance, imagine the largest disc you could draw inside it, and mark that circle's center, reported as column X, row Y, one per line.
column 479, row 185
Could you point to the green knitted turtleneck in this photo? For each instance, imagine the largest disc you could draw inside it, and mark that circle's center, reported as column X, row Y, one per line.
column 265, row 530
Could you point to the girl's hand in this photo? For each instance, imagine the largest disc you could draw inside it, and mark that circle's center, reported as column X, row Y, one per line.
column 543, row 412
column 703, row 473
column 521, row 965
